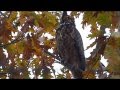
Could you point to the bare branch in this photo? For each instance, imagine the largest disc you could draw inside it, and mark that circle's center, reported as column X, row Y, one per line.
column 51, row 54
column 2, row 14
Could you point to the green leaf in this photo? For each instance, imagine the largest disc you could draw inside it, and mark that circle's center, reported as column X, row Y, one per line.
column 13, row 16
column 104, row 18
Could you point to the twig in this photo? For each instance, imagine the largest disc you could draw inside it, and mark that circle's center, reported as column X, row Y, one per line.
column 51, row 54
column 12, row 42
column 5, row 15
column 2, row 14
column 2, row 73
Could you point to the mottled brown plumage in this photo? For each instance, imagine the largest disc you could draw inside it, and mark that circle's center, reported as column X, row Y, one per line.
column 70, row 46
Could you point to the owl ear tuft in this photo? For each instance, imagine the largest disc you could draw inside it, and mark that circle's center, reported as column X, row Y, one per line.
column 63, row 16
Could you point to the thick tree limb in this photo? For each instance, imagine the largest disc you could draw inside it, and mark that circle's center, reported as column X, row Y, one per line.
column 99, row 50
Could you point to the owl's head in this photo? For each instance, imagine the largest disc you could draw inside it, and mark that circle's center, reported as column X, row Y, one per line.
column 67, row 19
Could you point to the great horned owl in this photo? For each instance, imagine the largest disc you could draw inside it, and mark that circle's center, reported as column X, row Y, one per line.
column 70, row 46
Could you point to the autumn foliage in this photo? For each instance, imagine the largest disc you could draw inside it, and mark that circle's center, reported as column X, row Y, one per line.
column 28, row 46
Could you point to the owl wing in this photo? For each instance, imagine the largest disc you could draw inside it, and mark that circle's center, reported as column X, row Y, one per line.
column 79, row 46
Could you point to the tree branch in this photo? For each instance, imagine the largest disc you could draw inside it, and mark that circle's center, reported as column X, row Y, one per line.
column 51, row 54
column 12, row 42
column 2, row 14
column 99, row 50
column 5, row 15
column 2, row 73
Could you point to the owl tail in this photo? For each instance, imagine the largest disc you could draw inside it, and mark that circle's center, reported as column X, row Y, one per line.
column 77, row 74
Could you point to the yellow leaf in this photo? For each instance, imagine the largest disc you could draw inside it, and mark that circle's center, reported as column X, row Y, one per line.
column 9, row 26
column 13, row 16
